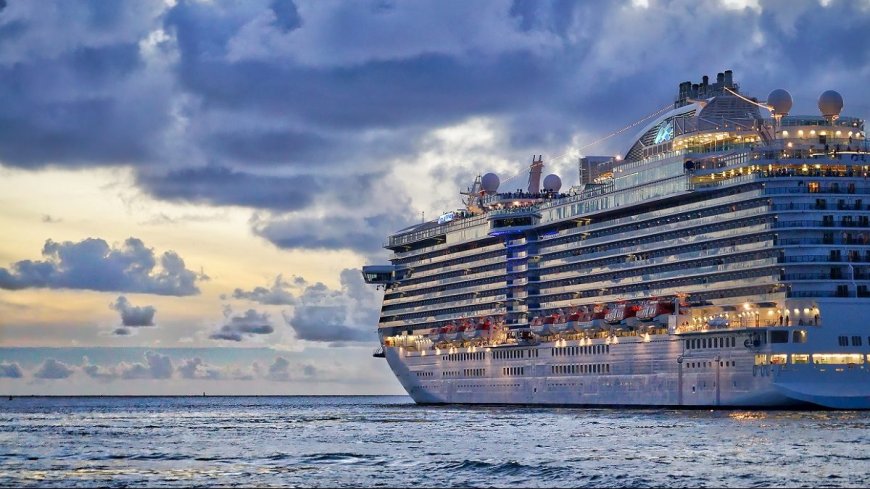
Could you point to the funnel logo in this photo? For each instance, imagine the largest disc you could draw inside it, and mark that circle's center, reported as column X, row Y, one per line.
column 666, row 132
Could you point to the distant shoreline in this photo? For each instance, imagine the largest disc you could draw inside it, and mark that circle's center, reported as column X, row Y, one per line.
column 14, row 396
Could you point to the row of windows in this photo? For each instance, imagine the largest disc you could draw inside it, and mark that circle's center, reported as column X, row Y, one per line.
column 513, row 354
column 452, row 274
column 683, row 282
column 513, row 371
column 856, row 340
column 665, row 249
column 454, row 298
column 651, row 239
column 651, row 270
column 817, row 358
column 696, row 365
column 592, row 368
column 462, row 357
column 457, row 261
column 450, row 373
column 663, row 221
column 580, row 350
column 715, row 342
column 474, row 372
column 424, row 374
column 446, row 251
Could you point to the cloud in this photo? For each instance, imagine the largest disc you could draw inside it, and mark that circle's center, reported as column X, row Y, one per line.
column 121, row 332
column 97, row 372
column 195, row 368
column 239, row 327
column 346, row 315
column 10, row 370
column 75, row 86
column 218, row 185
column 52, row 369
column 156, row 366
column 366, row 234
column 281, row 370
column 276, row 295
column 133, row 316
column 92, row 264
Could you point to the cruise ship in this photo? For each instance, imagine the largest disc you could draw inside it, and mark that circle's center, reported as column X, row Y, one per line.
column 724, row 261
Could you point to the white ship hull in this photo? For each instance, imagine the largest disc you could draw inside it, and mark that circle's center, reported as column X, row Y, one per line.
column 634, row 372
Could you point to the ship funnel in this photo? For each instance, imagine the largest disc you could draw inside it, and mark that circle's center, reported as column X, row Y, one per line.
column 535, row 174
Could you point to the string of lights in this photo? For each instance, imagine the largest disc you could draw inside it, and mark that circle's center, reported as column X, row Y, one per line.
column 732, row 92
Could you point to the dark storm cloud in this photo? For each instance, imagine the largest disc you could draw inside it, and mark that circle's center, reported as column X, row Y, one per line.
column 362, row 234
column 10, row 370
column 247, row 103
column 52, row 369
column 247, row 325
column 74, row 88
column 276, row 295
column 93, row 265
column 326, row 315
column 222, row 186
column 122, row 332
column 286, row 15
column 133, row 316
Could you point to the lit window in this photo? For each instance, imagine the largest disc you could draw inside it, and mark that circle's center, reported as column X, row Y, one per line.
column 838, row 358
column 778, row 359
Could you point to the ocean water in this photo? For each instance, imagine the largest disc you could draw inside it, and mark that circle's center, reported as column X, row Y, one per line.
column 389, row 441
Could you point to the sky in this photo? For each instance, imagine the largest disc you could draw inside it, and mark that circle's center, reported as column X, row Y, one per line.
column 188, row 189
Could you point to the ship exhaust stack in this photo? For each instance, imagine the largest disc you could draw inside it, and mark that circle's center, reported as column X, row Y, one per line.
column 535, row 174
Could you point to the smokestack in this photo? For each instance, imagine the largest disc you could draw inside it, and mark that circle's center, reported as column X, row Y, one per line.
column 720, row 79
column 535, row 174
column 729, row 82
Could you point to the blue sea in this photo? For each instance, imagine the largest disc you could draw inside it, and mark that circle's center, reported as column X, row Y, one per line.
column 389, row 441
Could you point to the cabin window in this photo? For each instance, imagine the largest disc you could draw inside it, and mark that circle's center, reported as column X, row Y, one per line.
column 798, row 358
column 799, row 336
column 838, row 358
column 761, row 359
column 778, row 359
column 779, row 336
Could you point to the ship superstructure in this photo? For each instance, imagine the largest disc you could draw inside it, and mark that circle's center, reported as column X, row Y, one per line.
column 724, row 261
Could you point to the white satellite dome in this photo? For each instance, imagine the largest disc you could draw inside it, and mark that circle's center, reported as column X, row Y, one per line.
column 779, row 101
column 830, row 104
column 490, row 183
column 552, row 182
